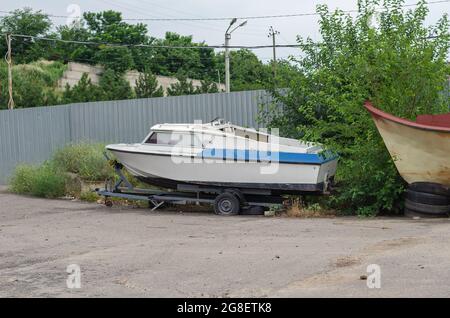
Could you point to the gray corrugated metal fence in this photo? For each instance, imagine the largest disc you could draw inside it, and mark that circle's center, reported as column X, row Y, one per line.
column 31, row 135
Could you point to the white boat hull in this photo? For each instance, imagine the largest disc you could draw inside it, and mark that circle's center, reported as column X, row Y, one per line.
column 275, row 176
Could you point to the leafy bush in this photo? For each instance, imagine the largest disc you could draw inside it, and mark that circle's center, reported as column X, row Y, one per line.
column 22, row 180
column 44, row 181
column 84, row 159
column 394, row 64
column 48, row 182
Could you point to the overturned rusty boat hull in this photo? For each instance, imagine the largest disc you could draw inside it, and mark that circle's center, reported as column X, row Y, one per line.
column 421, row 149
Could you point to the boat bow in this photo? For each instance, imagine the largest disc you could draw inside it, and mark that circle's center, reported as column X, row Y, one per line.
column 421, row 149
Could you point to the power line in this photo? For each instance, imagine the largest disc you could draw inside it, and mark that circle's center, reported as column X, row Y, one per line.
column 151, row 46
column 229, row 18
column 250, row 47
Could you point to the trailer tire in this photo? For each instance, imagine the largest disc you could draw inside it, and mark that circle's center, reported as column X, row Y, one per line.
column 238, row 194
column 226, row 204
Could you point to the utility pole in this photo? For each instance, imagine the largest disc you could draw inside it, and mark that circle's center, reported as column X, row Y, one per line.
column 9, row 62
column 273, row 33
column 227, row 62
column 227, row 52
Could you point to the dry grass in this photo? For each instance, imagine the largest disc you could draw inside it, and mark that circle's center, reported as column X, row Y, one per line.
column 297, row 209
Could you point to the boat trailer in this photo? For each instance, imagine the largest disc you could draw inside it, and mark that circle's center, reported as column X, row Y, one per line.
column 226, row 201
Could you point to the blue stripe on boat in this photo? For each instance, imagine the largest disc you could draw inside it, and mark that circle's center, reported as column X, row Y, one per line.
column 253, row 155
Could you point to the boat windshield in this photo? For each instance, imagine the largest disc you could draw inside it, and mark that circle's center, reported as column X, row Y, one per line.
column 171, row 139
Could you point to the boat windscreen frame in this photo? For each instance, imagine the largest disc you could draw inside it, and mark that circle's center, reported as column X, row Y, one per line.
column 195, row 141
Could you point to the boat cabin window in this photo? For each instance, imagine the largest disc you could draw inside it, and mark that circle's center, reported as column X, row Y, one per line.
column 152, row 139
column 171, row 139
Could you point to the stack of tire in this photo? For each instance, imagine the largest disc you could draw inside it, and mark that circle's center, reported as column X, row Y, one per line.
column 426, row 199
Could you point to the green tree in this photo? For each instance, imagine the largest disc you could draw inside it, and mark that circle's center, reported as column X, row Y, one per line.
column 147, row 86
column 83, row 91
column 195, row 63
column 116, row 58
column 114, row 86
column 182, row 87
column 393, row 64
column 24, row 21
column 206, row 87
column 247, row 72
column 108, row 26
column 65, row 51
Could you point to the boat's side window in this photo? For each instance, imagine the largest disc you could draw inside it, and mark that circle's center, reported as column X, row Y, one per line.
column 159, row 138
column 152, row 139
column 172, row 139
column 181, row 139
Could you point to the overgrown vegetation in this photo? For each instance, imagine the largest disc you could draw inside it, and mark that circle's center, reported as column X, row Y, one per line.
column 387, row 57
column 63, row 173
column 34, row 83
column 42, row 181
column 85, row 160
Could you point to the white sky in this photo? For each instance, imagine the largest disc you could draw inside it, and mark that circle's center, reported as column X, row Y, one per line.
column 254, row 33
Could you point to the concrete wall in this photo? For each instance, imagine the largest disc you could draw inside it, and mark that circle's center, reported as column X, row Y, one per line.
column 75, row 70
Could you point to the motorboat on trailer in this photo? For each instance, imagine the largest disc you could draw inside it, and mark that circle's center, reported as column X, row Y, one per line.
column 222, row 155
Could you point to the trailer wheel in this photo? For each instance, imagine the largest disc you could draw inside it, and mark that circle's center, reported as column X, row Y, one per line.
column 237, row 194
column 226, row 204
column 108, row 203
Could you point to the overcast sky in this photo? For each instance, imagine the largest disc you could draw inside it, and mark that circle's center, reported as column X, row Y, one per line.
column 212, row 32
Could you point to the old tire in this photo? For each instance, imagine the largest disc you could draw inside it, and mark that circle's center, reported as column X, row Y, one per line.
column 430, row 187
column 427, row 209
column 427, row 198
column 412, row 214
column 226, row 204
